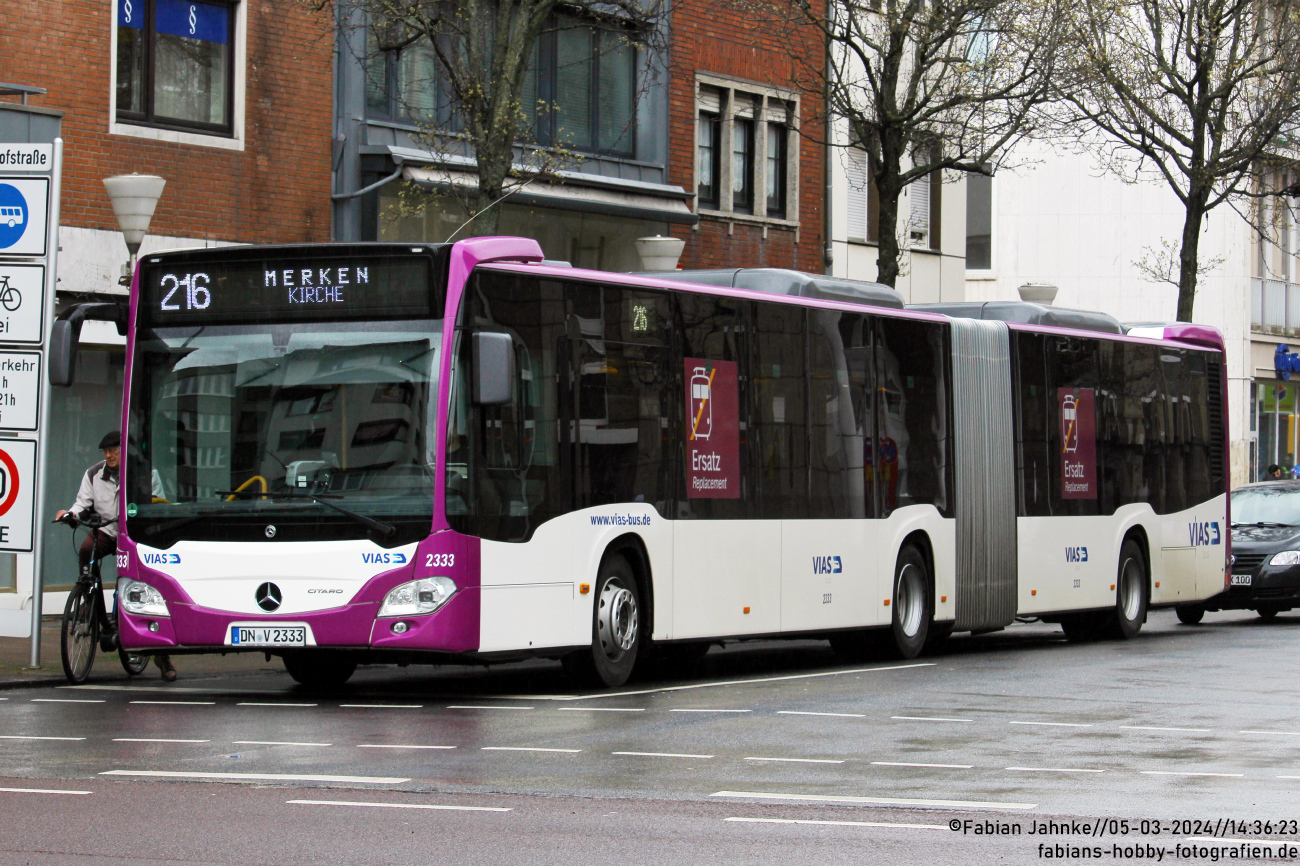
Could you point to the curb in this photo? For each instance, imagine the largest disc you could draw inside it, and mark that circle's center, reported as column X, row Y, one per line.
column 37, row 680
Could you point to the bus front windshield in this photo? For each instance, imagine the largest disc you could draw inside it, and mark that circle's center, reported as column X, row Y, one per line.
column 298, row 432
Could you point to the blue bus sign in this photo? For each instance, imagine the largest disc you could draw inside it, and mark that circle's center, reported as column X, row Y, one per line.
column 23, row 209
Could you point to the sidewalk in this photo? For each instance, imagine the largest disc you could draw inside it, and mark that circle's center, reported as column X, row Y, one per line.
column 16, row 652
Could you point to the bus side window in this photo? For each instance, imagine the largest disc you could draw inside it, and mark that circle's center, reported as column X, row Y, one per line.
column 915, row 442
column 1033, row 418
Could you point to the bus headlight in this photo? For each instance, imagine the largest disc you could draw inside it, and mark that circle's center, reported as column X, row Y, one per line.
column 1286, row 557
column 418, row 596
column 140, row 598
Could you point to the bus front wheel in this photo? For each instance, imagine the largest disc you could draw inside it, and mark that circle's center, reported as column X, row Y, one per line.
column 913, row 603
column 321, row 669
column 616, row 633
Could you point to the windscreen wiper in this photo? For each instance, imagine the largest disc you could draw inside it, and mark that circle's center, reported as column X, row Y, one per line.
column 1263, row 524
column 384, row 529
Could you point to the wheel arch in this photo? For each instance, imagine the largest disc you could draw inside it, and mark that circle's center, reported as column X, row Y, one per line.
column 920, row 539
column 633, row 548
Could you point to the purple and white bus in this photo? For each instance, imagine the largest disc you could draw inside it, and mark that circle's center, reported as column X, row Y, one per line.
column 404, row 453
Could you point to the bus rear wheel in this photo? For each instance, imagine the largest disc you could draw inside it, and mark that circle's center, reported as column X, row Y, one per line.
column 616, row 634
column 321, row 669
column 913, row 603
column 1130, row 593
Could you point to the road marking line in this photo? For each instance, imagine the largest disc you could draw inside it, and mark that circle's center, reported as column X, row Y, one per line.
column 754, row 681
column 66, row 701
column 804, row 713
column 472, row 707
column 1175, row 730
column 275, row 743
column 911, row 764
column 525, row 749
column 256, row 777
column 1181, row 773
column 386, row 746
column 383, row 706
column 798, row 760
column 602, row 709
column 270, row 704
column 1052, row 724
column 710, row 711
column 928, row 719
column 1274, row 733
column 152, row 740
column 661, row 755
column 398, row 805
column 890, row 801
column 17, row 737
column 1289, row 777
column 1052, row 770
column 180, row 703
column 840, row 823
column 39, row 790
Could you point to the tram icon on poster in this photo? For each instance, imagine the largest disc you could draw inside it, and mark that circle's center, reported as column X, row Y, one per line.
column 1069, row 424
column 701, row 403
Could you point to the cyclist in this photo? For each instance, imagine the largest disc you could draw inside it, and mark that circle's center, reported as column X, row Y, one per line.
column 98, row 494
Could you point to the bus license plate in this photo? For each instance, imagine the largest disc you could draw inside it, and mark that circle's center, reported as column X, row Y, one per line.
column 1241, row 580
column 268, row 636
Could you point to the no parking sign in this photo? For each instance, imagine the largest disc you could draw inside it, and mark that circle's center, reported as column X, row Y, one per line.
column 17, row 492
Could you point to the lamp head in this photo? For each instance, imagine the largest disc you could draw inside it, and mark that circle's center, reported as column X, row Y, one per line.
column 134, row 198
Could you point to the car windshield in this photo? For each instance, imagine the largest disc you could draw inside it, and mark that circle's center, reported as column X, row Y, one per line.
column 320, row 430
column 1267, row 504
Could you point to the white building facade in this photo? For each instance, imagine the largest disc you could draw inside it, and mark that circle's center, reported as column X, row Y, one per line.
column 1059, row 220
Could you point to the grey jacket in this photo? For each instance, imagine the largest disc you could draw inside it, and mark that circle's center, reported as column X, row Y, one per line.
column 98, row 493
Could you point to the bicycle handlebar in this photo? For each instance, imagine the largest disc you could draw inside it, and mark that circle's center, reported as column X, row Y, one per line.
column 90, row 521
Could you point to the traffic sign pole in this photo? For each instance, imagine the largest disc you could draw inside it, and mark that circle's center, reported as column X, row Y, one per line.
column 43, row 426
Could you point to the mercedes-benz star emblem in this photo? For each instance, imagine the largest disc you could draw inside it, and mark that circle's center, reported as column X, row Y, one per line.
column 268, row 596
column 270, row 532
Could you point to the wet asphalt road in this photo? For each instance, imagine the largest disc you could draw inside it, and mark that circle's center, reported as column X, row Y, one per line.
column 771, row 752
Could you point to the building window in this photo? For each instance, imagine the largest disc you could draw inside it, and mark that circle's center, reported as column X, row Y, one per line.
column 756, row 128
column 979, row 222
column 175, row 64
column 580, row 91
column 742, row 165
column 926, row 198
column 864, row 203
column 777, row 136
column 708, row 169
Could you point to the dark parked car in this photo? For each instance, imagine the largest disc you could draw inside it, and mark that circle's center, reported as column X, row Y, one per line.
column 1265, row 553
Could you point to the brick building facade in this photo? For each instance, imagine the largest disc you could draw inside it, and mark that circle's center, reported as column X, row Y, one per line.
column 266, row 179
column 724, row 67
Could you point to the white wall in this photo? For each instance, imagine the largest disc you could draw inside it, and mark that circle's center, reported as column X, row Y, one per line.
column 1059, row 220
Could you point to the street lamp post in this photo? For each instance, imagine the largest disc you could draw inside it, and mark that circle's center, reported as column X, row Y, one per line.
column 134, row 198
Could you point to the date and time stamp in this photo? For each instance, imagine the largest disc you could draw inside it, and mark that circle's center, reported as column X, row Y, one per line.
column 1146, row 840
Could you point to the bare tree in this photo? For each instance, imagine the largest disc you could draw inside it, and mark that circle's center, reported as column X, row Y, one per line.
column 475, row 100
column 1201, row 92
column 924, row 86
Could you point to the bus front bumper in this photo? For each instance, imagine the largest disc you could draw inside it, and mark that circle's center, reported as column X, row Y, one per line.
column 453, row 628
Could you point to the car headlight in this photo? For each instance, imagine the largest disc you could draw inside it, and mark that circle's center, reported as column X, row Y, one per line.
column 140, row 598
column 417, row 597
column 1286, row 557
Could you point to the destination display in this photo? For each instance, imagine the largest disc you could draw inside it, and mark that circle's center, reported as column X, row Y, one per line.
column 189, row 290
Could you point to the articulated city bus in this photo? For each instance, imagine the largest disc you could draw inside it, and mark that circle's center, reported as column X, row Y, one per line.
column 395, row 453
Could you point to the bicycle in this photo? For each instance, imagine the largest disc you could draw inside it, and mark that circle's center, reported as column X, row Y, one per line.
column 87, row 626
column 10, row 297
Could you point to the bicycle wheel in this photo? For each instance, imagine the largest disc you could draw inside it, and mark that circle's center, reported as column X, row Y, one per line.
column 11, row 299
column 80, row 635
column 133, row 663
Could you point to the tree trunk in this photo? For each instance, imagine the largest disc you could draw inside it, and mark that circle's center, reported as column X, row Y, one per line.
column 887, row 236
column 1188, row 253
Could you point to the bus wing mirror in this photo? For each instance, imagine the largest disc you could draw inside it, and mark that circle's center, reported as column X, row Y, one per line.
column 494, row 368
column 65, row 337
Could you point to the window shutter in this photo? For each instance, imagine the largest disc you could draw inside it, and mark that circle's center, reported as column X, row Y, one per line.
column 855, row 170
column 919, row 192
column 710, row 100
